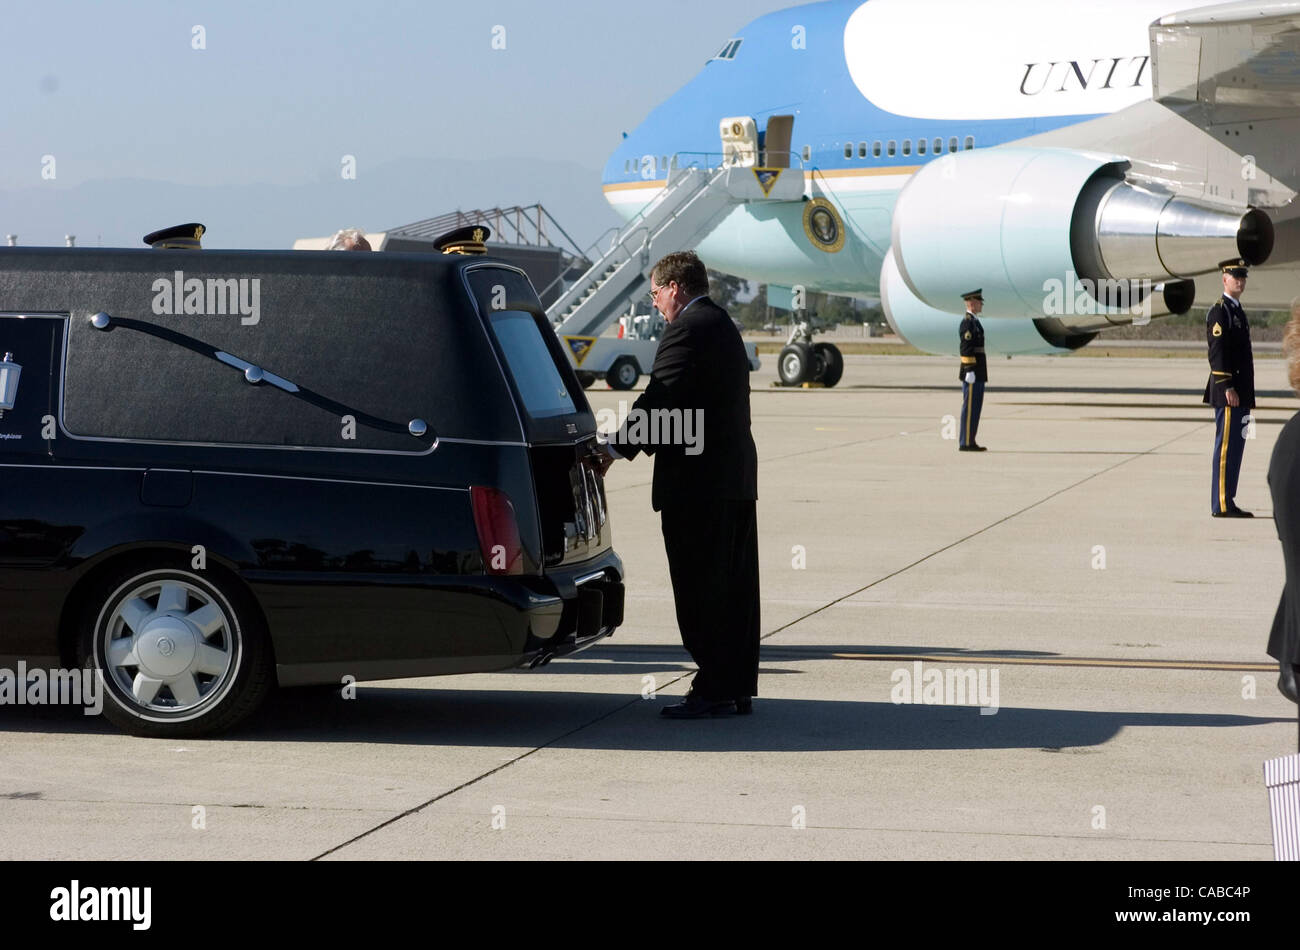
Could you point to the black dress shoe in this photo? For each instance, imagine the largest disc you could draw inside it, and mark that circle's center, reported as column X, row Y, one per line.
column 1286, row 681
column 1236, row 512
column 744, row 706
column 693, row 707
column 971, row 448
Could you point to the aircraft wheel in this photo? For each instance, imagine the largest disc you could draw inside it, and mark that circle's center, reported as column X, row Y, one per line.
column 832, row 361
column 795, row 364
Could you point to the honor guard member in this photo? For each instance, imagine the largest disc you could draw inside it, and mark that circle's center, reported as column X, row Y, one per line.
column 471, row 239
column 1230, row 390
column 974, row 371
column 183, row 236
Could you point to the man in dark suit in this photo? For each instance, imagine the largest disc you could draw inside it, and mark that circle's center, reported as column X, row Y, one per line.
column 974, row 371
column 1230, row 390
column 705, row 485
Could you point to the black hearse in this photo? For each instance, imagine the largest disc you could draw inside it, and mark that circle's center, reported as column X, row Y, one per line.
column 226, row 470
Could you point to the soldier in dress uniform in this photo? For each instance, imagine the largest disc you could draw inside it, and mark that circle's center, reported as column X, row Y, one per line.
column 974, row 371
column 183, row 236
column 1230, row 390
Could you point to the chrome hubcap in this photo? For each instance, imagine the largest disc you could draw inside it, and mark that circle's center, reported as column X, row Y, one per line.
column 169, row 645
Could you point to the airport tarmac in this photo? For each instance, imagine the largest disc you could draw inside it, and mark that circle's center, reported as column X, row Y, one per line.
column 1073, row 569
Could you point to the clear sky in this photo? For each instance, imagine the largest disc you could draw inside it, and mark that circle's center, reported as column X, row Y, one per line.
column 115, row 88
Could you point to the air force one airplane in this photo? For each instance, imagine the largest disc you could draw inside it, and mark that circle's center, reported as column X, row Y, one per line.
column 1050, row 152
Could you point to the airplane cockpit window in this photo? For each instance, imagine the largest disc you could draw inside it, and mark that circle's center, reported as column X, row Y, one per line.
column 891, row 147
column 970, row 142
column 875, row 148
column 729, row 50
column 952, row 144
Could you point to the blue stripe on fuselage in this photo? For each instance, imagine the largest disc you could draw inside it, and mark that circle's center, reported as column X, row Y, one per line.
column 770, row 76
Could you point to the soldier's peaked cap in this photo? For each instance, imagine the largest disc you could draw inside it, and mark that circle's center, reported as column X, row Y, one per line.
column 184, row 236
column 1235, row 268
column 470, row 239
column 973, row 295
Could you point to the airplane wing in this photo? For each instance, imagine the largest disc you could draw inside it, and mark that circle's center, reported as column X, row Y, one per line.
column 1233, row 70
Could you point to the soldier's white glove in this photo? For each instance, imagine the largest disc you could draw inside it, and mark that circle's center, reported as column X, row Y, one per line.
column 970, row 375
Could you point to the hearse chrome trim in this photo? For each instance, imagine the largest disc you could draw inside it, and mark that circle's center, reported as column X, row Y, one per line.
column 255, row 374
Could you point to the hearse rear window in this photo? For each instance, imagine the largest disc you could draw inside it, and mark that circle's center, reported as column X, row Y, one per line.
column 536, row 376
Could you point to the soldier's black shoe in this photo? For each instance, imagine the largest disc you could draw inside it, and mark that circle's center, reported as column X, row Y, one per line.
column 1236, row 512
column 971, row 448
column 692, row 707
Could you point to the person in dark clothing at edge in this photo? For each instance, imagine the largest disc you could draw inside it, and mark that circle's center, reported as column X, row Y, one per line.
column 1284, row 486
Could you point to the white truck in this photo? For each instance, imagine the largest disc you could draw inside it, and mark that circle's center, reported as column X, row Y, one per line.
column 621, row 359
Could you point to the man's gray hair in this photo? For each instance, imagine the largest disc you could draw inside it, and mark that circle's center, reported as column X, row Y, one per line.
column 349, row 239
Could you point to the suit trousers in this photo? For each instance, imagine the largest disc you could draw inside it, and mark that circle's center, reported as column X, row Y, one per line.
column 713, row 561
column 972, row 401
column 1229, row 443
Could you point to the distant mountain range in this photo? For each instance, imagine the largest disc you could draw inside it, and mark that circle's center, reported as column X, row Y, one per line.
column 119, row 212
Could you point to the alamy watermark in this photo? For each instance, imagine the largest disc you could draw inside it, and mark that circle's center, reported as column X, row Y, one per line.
column 57, row 687
column 654, row 426
column 209, row 297
column 1083, row 296
column 946, row 687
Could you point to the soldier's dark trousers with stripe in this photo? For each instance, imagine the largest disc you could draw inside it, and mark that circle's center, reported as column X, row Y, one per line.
column 972, row 401
column 1229, row 443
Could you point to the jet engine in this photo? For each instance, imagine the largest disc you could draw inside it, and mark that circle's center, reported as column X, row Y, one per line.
column 1014, row 220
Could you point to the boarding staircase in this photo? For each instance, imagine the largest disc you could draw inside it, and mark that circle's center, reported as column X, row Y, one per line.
column 680, row 217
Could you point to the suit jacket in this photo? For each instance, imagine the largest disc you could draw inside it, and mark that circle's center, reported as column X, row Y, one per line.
column 1284, row 485
column 971, row 336
column 1232, row 364
column 701, row 370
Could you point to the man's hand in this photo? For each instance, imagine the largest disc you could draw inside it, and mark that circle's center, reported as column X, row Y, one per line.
column 602, row 458
column 1233, row 399
column 970, row 376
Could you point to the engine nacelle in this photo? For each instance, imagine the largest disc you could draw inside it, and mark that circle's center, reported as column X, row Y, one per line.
column 1077, row 315
column 1012, row 220
column 935, row 331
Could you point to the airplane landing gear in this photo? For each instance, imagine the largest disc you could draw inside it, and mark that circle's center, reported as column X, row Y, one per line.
column 803, row 361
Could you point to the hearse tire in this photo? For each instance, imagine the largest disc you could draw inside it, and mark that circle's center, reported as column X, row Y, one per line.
column 182, row 653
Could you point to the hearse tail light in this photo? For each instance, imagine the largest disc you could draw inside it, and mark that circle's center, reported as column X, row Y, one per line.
column 498, row 531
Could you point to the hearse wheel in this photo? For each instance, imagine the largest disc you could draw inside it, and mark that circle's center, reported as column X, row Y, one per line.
column 623, row 374
column 586, row 379
column 182, row 652
column 795, row 364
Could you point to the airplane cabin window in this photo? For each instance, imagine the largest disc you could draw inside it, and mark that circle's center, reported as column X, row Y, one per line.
column 875, row 148
column 862, row 150
column 938, row 146
column 907, row 146
column 970, row 142
column 920, row 146
column 952, row 144
column 891, row 147
column 848, row 149
column 807, row 153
